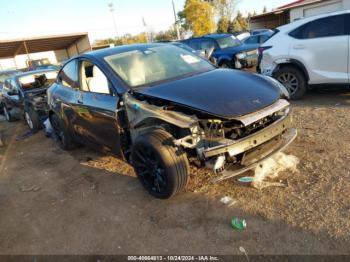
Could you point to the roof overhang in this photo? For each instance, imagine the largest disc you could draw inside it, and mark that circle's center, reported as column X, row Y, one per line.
column 287, row 7
column 11, row 48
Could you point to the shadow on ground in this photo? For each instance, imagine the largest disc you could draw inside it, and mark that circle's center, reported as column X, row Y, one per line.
column 51, row 203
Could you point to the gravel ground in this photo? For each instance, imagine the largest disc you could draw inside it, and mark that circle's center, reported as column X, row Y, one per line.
column 317, row 197
column 81, row 202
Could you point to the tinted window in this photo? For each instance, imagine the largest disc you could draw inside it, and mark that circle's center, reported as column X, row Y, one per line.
column 252, row 40
column 195, row 44
column 324, row 27
column 263, row 38
column 207, row 44
column 69, row 75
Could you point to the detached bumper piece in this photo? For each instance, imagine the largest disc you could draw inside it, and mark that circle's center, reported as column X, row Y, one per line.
column 251, row 159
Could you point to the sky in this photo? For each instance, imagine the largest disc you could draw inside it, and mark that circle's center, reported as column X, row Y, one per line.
column 27, row 18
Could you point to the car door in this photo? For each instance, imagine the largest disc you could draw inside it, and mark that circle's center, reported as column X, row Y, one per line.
column 322, row 46
column 97, row 103
column 66, row 96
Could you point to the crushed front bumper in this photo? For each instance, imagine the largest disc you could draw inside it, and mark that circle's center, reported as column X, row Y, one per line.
column 244, row 144
column 253, row 158
column 255, row 148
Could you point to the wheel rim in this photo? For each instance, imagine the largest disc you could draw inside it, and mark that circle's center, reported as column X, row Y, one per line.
column 290, row 81
column 6, row 113
column 29, row 120
column 149, row 169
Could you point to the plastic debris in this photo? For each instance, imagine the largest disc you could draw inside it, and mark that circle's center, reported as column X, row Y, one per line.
column 48, row 127
column 271, row 167
column 246, row 179
column 228, row 201
column 242, row 249
column 25, row 135
column 238, row 224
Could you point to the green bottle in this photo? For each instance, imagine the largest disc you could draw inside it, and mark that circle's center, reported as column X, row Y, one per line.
column 238, row 224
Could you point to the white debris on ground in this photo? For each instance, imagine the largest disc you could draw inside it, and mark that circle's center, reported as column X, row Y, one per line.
column 271, row 167
column 228, row 201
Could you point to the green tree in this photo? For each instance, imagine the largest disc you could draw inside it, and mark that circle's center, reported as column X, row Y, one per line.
column 242, row 21
column 223, row 25
column 199, row 15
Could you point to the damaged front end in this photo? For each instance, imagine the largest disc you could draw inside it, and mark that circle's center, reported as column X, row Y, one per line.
column 37, row 100
column 226, row 146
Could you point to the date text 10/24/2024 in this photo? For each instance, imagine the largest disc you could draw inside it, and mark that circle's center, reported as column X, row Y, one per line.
column 172, row 258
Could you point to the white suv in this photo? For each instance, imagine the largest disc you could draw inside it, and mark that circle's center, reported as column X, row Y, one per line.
column 309, row 51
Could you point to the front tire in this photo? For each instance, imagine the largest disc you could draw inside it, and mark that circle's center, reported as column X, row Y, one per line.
column 32, row 119
column 161, row 167
column 225, row 64
column 294, row 80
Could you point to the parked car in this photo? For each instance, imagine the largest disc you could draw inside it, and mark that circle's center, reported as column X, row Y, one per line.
column 309, row 52
column 24, row 95
column 161, row 107
column 3, row 75
column 260, row 31
column 254, row 41
column 229, row 52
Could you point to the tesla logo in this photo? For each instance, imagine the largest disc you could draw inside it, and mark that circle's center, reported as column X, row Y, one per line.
column 256, row 101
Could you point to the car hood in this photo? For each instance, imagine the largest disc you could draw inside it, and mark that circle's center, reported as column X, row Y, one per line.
column 236, row 49
column 225, row 93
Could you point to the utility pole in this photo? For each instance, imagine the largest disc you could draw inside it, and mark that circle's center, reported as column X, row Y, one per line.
column 176, row 22
column 111, row 9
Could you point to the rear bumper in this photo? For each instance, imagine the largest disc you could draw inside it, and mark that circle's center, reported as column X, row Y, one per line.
column 253, row 158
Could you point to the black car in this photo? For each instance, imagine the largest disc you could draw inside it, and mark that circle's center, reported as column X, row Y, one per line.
column 162, row 108
column 24, row 95
column 228, row 51
column 3, row 76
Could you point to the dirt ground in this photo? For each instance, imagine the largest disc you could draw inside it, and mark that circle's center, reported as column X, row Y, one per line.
column 82, row 202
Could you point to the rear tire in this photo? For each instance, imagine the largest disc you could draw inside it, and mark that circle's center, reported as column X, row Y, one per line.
column 32, row 119
column 161, row 167
column 294, row 80
column 60, row 133
column 7, row 114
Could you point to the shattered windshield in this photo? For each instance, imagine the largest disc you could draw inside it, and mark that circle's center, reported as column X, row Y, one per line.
column 229, row 41
column 144, row 67
column 37, row 80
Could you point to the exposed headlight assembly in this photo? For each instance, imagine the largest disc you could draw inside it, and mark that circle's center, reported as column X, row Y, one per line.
column 241, row 55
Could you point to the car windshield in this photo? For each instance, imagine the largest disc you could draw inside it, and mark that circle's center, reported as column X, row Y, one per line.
column 228, row 41
column 156, row 64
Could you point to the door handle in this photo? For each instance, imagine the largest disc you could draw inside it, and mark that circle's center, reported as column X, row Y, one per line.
column 299, row 46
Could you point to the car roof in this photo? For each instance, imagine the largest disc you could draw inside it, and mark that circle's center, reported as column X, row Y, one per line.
column 34, row 72
column 120, row 49
column 302, row 21
column 9, row 72
column 217, row 35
